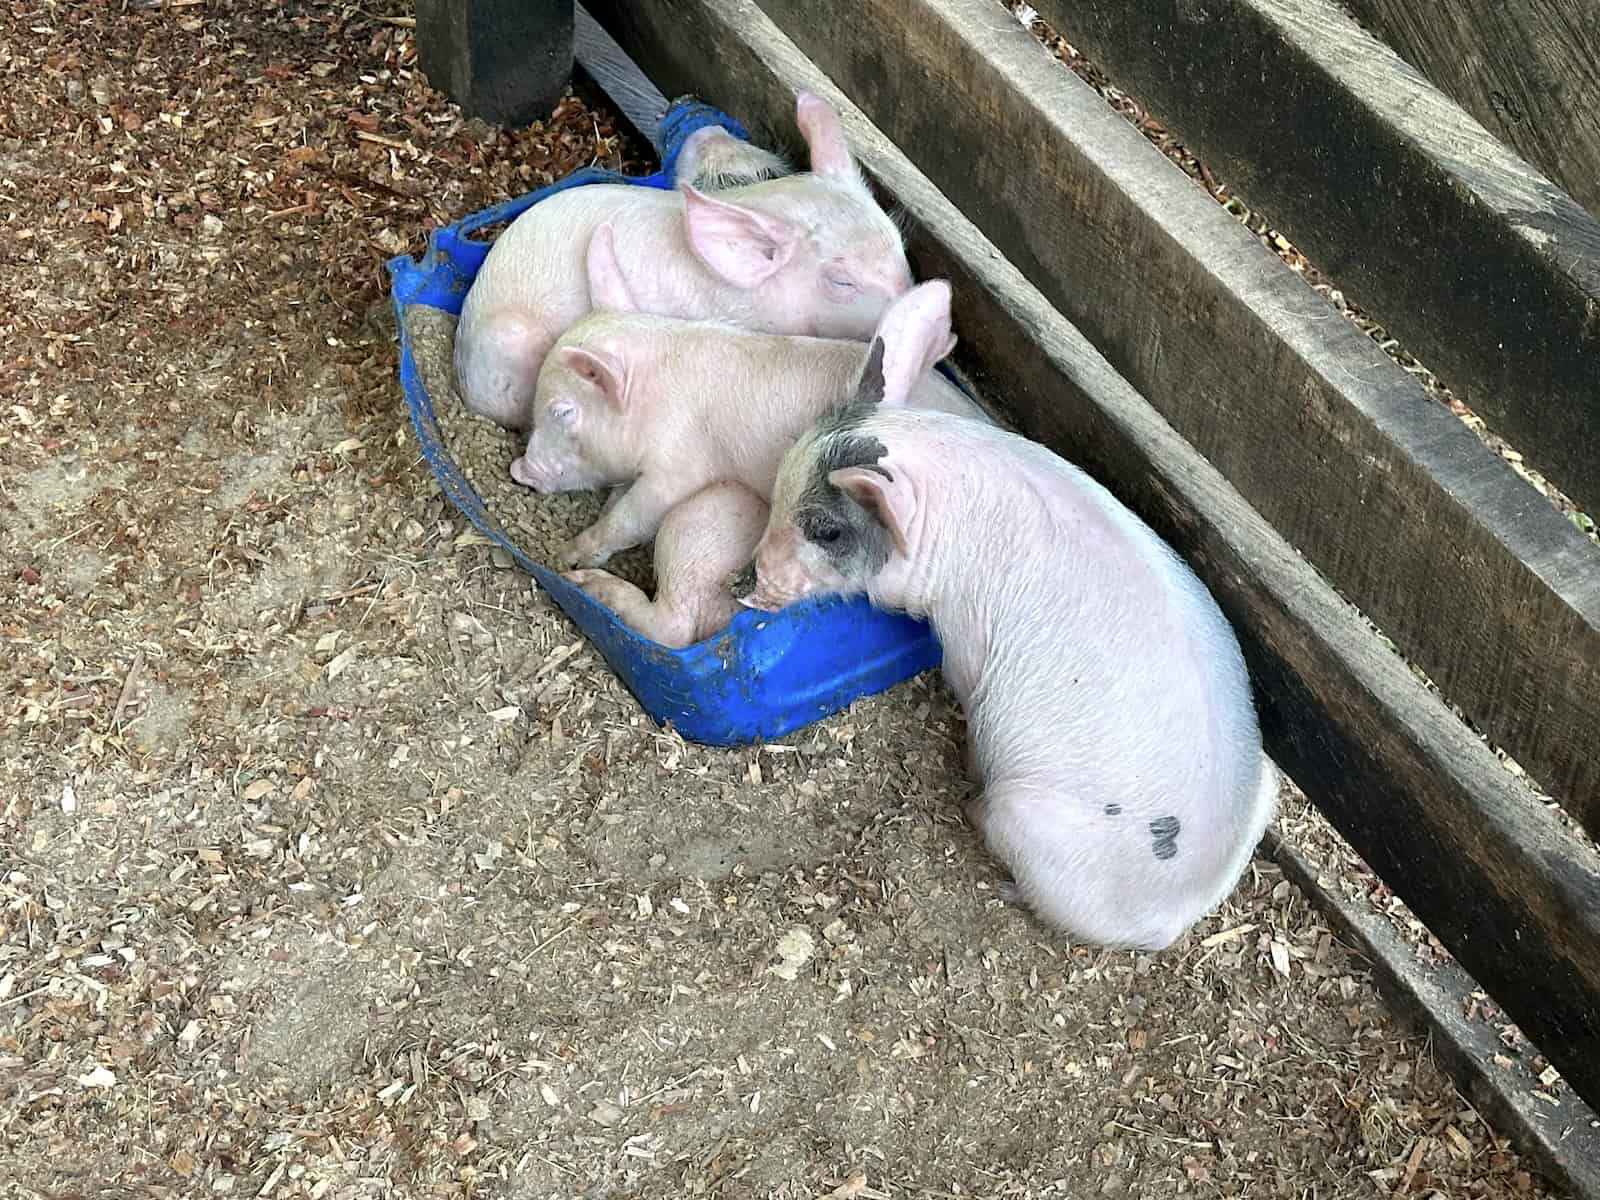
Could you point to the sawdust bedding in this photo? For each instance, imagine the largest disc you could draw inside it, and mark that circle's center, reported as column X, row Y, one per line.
column 333, row 863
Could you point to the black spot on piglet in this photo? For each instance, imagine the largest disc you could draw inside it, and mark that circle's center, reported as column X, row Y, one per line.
column 1164, row 831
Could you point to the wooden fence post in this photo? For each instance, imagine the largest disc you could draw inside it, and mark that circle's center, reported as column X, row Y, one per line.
column 506, row 61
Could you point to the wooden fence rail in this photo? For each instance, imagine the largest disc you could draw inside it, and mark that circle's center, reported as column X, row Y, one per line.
column 1481, row 266
column 1528, row 69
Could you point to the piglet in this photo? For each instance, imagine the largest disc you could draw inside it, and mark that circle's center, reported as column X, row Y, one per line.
column 712, row 160
column 701, row 542
column 668, row 406
column 806, row 254
column 1109, row 716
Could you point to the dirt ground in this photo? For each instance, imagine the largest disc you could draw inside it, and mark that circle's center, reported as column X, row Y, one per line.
column 334, row 864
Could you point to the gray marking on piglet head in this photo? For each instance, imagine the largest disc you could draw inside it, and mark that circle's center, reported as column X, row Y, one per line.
column 1164, row 835
column 853, row 539
column 846, row 448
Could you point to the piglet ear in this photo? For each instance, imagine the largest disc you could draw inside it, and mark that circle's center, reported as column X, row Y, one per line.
column 915, row 333
column 607, row 288
column 743, row 246
column 819, row 125
column 869, row 387
column 596, row 367
column 883, row 494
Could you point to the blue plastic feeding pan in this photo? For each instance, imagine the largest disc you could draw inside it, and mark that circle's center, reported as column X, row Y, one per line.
column 767, row 674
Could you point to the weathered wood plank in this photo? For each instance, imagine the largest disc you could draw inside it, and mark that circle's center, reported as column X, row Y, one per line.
column 639, row 100
column 506, row 61
column 1481, row 266
column 1528, row 69
column 1565, row 1141
column 1478, row 580
column 1514, row 895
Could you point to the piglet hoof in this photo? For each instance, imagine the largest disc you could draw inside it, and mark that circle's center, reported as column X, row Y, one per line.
column 975, row 810
column 742, row 583
column 582, row 551
column 583, row 577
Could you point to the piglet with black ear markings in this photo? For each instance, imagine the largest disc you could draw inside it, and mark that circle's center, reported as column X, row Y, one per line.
column 1108, row 709
column 805, row 254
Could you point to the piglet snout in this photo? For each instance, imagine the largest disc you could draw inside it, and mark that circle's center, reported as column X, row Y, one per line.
column 778, row 575
column 524, row 473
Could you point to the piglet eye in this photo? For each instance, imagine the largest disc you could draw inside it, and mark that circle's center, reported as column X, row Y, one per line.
column 840, row 283
column 828, row 534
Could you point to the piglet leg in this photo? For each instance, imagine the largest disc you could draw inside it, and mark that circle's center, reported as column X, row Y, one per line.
column 630, row 519
column 661, row 623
